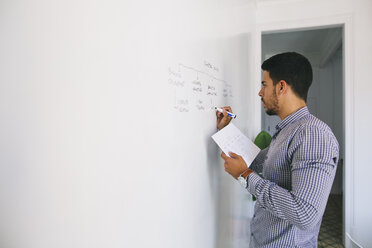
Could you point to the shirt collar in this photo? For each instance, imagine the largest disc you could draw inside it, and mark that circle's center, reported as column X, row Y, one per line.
column 292, row 118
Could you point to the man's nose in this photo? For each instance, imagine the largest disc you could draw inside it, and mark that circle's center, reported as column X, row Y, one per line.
column 260, row 93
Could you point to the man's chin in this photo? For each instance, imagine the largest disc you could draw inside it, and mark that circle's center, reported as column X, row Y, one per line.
column 270, row 112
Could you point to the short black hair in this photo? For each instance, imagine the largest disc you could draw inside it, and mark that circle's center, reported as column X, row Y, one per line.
column 293, row 68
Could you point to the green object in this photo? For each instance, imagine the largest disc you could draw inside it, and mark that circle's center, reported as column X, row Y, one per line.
column 262, row 140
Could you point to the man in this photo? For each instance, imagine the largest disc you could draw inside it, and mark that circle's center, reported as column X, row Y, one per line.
column 299, row 165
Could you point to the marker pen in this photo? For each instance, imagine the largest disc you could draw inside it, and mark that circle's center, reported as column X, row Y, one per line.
column 228, row 113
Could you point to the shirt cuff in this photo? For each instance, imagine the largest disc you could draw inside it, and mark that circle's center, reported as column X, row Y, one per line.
column 252, row 181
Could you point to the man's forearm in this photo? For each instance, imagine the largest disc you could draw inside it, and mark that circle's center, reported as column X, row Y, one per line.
column 287, row 204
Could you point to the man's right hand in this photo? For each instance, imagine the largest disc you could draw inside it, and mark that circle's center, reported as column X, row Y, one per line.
column 222, row 118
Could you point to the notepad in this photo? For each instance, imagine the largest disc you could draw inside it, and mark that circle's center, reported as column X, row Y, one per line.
column 231, row 139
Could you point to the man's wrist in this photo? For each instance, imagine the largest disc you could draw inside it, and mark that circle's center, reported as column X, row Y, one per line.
column 243, row 178
column 246, row 173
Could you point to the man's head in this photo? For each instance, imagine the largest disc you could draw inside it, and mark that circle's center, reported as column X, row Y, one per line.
column 287, row 77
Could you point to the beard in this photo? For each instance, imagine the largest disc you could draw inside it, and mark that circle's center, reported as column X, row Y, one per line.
column 272, row 108
column 271, row 111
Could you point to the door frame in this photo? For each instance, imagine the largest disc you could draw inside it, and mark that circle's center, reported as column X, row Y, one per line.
column 346, row 22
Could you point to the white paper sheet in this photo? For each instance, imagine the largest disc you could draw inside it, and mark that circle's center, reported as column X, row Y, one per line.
column 231, row 139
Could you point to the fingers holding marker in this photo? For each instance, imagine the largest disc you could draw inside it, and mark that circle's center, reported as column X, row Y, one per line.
column 226, row 111
column 227, row 108
column 223, row 116
column 221, row 113
column 226, row 114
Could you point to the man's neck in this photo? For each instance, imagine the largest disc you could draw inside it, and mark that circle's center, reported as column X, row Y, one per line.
column 290, row 109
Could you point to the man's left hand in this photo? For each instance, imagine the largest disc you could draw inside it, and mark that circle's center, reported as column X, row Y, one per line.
column 234, row 165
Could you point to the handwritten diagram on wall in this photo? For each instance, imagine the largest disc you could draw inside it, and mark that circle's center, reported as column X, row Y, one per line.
column 198, row 89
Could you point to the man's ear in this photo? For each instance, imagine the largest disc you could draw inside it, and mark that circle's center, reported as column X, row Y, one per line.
column 282, row 86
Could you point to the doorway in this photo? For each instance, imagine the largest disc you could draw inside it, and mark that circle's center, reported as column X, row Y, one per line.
column 324, row 49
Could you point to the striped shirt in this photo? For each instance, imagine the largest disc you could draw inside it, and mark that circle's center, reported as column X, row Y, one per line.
column 298, row 170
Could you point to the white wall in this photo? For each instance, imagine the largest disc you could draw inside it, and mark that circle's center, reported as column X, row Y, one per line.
column 92, row 153
column 292, row 14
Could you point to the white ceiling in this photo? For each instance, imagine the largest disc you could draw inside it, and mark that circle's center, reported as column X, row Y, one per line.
column 318, row 45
